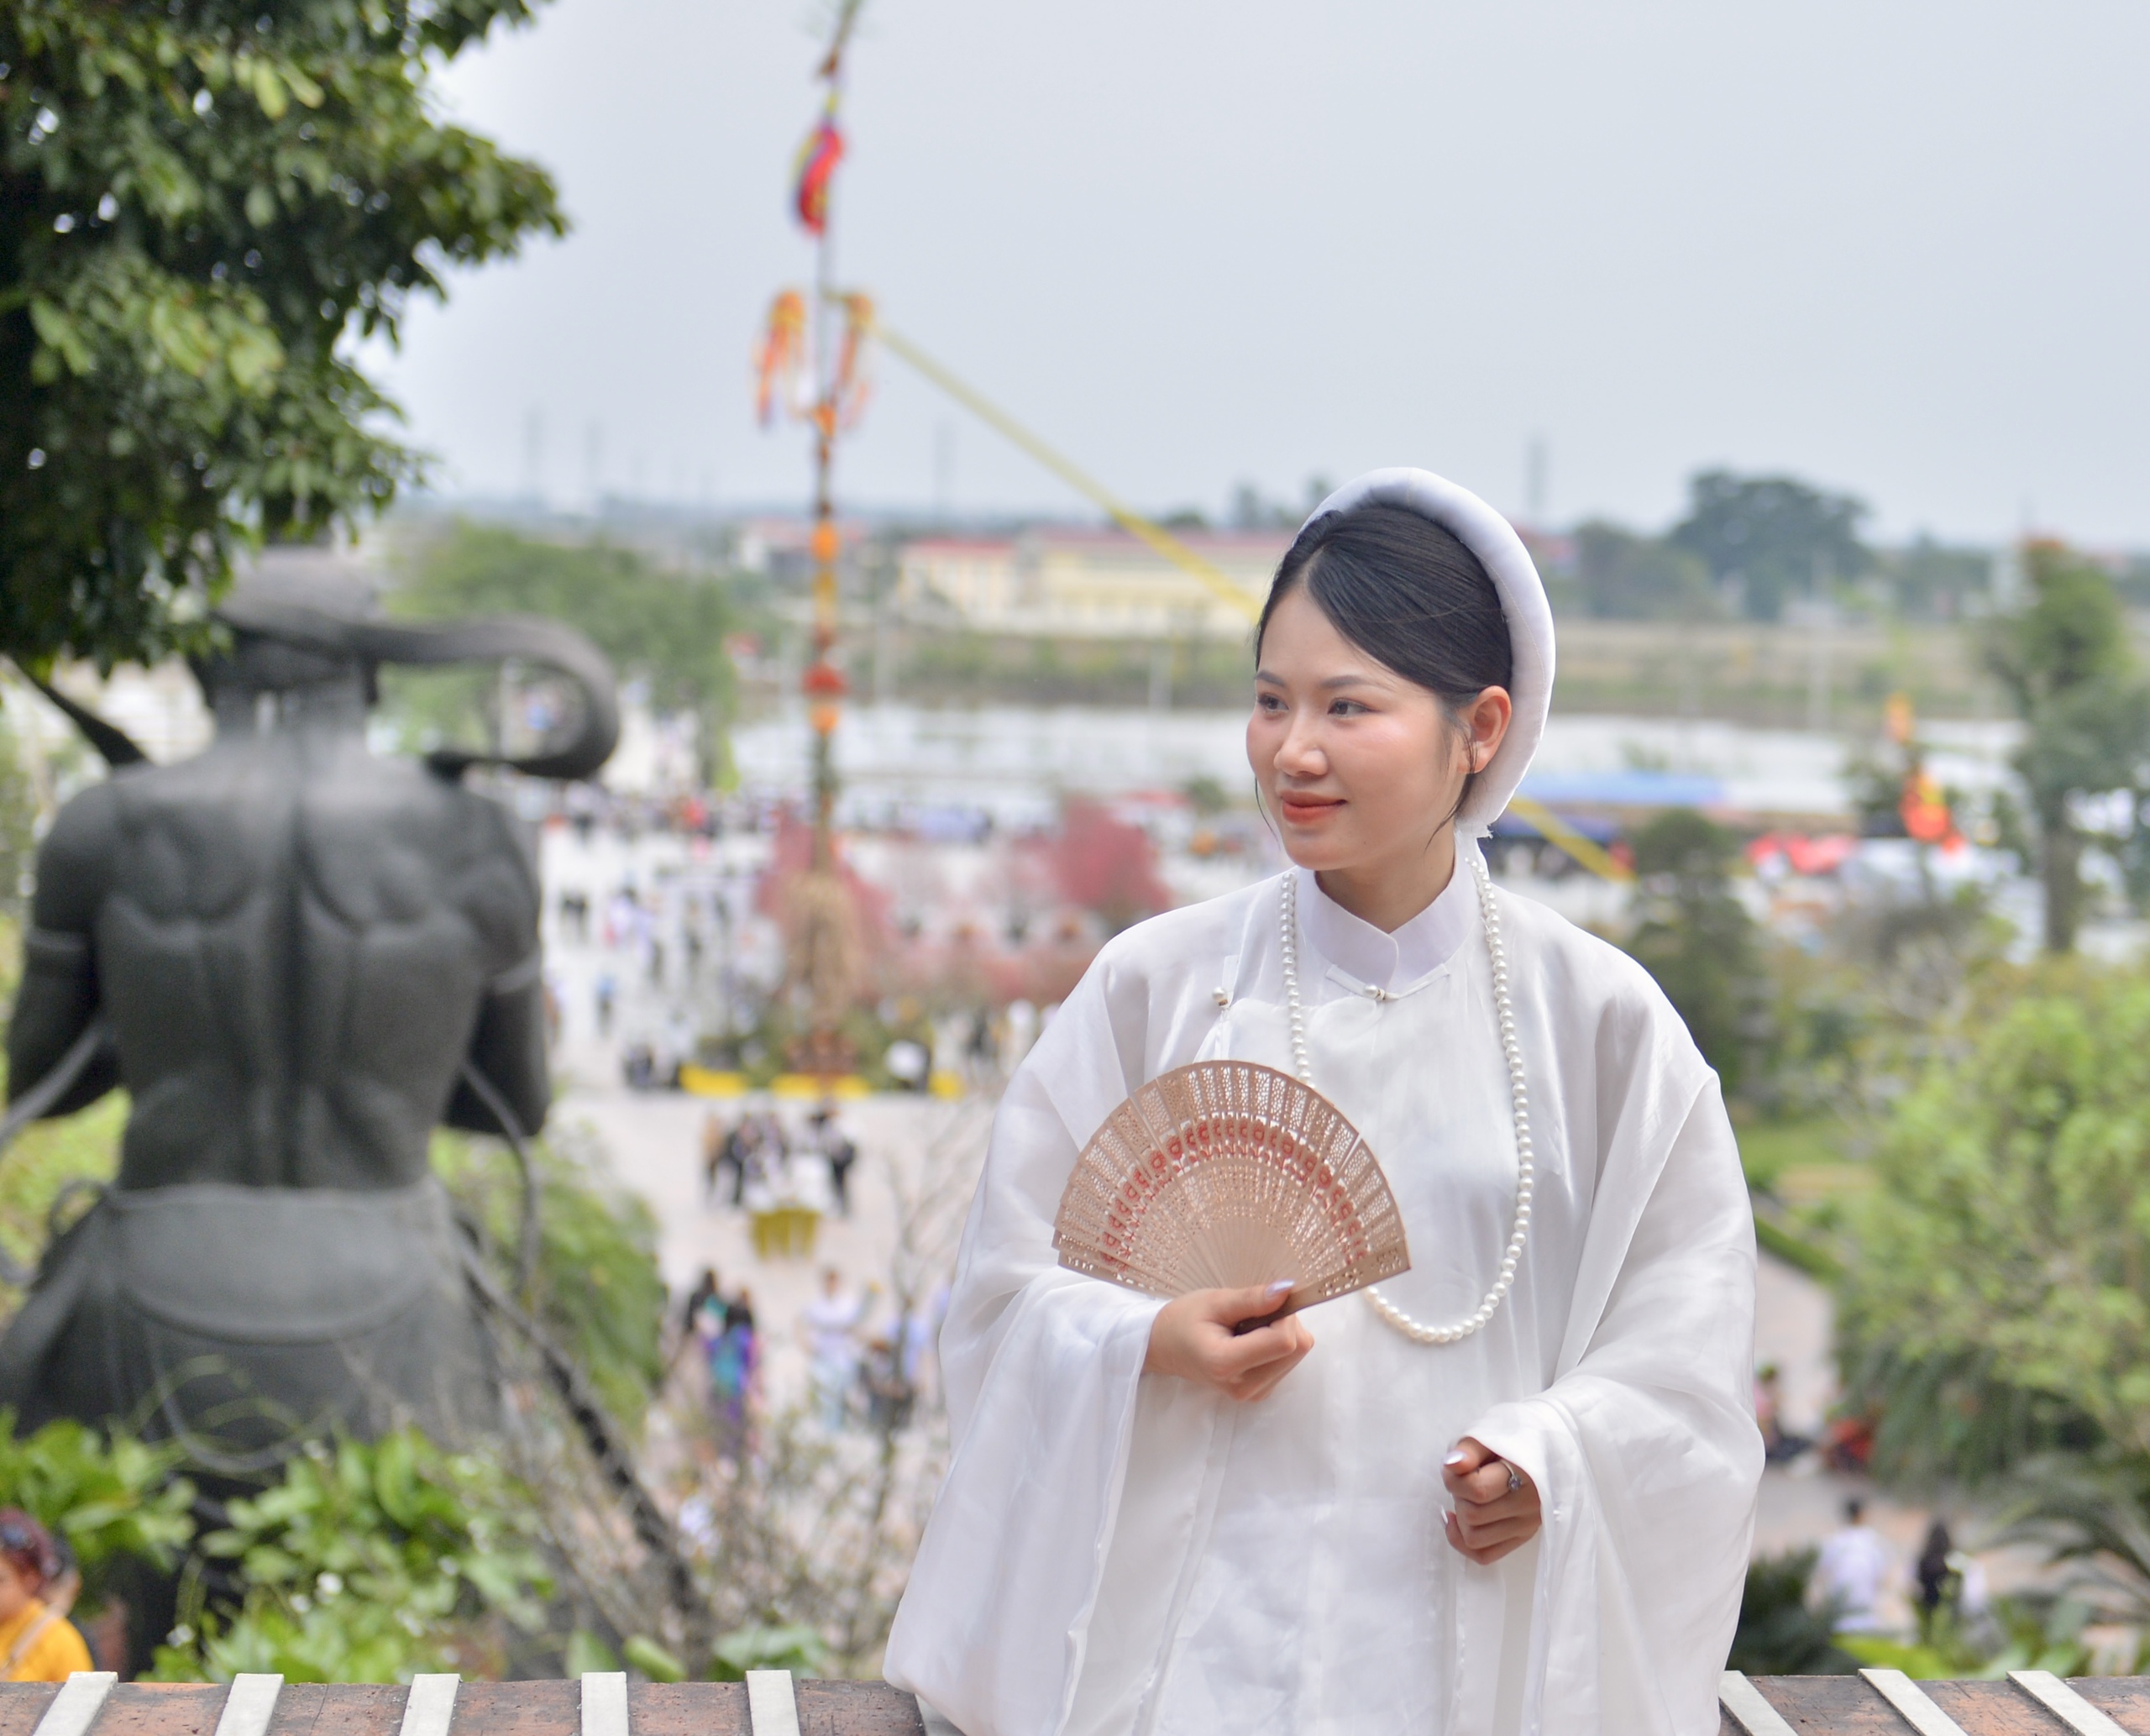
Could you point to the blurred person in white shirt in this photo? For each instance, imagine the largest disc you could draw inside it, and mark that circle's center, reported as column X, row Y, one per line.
column 1853, row 1569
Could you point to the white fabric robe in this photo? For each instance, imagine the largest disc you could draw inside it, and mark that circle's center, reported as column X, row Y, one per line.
column 1117, row 1552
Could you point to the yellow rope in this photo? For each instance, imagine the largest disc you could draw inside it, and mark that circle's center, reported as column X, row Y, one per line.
column 1556, row 830
column 1156, row 535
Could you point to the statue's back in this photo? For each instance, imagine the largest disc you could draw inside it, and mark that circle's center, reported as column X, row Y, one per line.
column 295, row 941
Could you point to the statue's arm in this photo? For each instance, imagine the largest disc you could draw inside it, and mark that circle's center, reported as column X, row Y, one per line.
column 508, row 1049
column 507, row 1044
column 59, row 996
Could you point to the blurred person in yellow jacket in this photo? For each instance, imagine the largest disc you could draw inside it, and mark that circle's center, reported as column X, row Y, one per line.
column 37, row 1641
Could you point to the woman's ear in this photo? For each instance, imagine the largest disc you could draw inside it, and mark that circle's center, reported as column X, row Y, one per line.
column 1488, row 719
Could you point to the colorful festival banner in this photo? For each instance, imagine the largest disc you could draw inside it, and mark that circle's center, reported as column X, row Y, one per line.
column 816, row 169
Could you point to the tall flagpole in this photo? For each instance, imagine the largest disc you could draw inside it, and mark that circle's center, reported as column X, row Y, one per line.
column 825, row 682
column 824, row 967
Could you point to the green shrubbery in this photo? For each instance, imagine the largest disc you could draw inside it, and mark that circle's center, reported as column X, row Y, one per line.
column 367, row 1562
column 364, row 1562
column 112, row 1501
column 1994, row 1318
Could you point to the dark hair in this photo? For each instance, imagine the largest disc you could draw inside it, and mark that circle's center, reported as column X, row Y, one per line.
column 1406, row 592
column 27, row 1547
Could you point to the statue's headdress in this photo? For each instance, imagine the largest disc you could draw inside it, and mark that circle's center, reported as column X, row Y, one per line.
column 334, row 624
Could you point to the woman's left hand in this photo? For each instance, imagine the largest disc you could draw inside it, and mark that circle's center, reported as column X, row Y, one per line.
column 1491, row 1519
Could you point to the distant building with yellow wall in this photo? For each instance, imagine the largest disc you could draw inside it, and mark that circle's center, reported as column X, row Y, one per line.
column 1066, row 582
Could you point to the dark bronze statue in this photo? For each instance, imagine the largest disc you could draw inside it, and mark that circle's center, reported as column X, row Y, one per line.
column 298, row 958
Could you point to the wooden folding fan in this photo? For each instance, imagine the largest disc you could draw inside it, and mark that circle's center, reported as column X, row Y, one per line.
column 1225, row 1174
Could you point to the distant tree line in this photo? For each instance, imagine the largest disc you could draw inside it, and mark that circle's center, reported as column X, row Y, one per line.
column 1749, row 547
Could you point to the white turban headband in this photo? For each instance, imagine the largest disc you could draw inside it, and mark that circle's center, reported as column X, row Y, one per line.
column 1493, row 540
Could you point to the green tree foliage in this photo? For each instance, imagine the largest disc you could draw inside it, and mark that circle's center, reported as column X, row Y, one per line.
column 1775, row 537
column 2064, row 660
column 1623, row 576
column 1696, row 937
column 367, row 1562
column 1998, row 1304
column 666, row 629
column 1206, row 795
column 202, row 206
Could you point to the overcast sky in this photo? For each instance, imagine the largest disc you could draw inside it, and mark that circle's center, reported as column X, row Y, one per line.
column 1899, row 249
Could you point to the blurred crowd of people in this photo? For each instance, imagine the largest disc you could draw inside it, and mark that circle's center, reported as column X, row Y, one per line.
column 868, row 1365
column 753, row 1164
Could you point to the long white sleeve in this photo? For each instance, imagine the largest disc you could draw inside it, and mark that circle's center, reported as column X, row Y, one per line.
column 1041, row 1368
column 1646, row 1453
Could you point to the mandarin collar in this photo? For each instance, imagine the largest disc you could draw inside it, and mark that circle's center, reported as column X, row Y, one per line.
column 1394, row 962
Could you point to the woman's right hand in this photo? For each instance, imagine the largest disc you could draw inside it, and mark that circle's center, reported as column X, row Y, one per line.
column 1192, row 1337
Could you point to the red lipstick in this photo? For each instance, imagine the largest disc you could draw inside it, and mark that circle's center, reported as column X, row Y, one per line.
column 1307, row 810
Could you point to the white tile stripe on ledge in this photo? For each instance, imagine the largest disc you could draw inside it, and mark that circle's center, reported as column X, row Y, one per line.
column 772, row 1707
column 1749, row 1710
column 605, row 1702
column 249, row 1704
column 431, row 1706
column 1909, row 1698
column 936, row 1725
column 2064, row 1703
column 75, row 1706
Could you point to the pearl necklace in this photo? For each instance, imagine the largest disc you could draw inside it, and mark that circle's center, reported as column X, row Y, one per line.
column 1525, row 1176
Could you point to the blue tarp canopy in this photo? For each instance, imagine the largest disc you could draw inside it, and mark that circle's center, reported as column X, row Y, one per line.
column 1625, row 789
column 1512, row 825
column 1594, row 793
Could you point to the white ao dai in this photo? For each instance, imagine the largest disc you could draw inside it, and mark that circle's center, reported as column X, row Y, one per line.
column 1116, row 1552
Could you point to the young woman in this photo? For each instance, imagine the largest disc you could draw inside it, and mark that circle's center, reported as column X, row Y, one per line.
column 1509, row 1491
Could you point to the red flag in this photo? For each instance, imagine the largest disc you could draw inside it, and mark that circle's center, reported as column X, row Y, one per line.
column 817, row 167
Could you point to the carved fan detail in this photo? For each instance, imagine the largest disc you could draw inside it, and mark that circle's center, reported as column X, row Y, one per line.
column 1224, row 1174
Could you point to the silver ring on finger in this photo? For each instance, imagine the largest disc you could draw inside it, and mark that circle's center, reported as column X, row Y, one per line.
column 1515, row 1478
